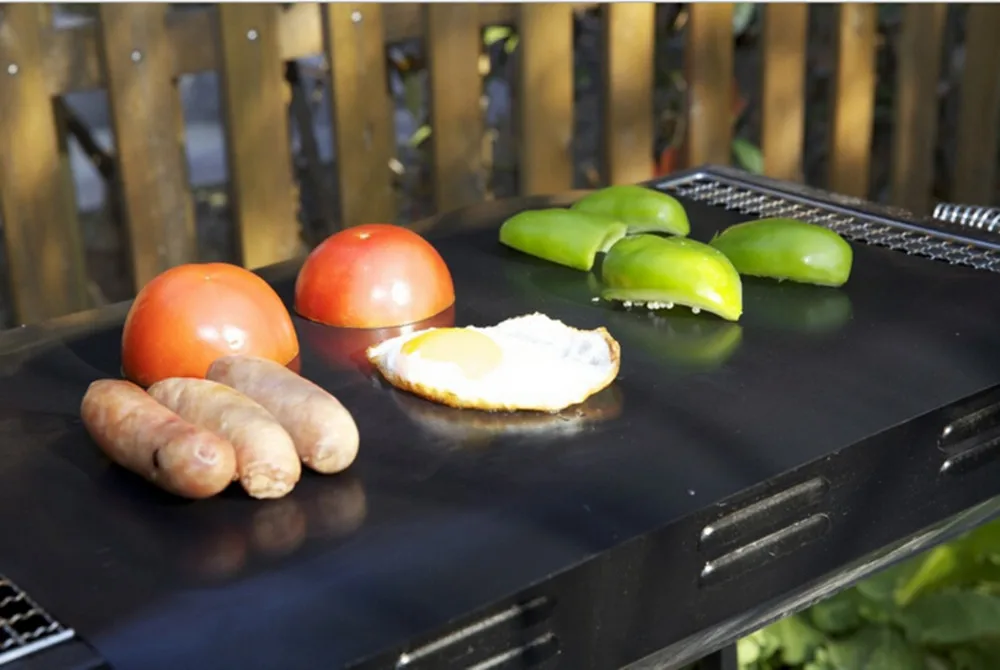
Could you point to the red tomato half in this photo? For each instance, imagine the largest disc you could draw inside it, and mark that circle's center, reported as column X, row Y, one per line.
column 190, row 315
column 373, row 276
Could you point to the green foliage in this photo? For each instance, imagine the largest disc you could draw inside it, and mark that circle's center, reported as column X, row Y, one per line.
column 937, row 611
column 748, row 156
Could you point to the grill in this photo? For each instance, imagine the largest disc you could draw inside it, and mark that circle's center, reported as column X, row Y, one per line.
column 900, row 234
column 709, row 495
column 25, row 628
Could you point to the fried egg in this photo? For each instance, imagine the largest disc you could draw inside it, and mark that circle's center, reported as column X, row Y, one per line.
column 530, row 362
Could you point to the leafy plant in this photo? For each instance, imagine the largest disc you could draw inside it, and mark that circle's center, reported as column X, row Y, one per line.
column 937, row 611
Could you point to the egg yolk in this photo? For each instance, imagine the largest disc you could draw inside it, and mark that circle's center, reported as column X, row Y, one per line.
column 475, row 353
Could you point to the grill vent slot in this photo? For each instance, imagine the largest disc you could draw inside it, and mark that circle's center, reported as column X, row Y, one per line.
column 518, row 636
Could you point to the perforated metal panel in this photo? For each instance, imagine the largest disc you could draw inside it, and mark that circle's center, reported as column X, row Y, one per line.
column 25, row 628
column 763, row 202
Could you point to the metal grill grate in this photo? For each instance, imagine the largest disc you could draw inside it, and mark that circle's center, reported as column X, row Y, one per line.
column 746, row 199
column 25, row 628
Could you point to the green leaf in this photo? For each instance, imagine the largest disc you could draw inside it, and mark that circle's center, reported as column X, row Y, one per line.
column 951, row 617
column 511, row 44
column 838, row 614
column 939, row 567
column 876, row 648
column 747, row 652
column 882, row 585
column 494, row 34
column 971, row 658
column 419, row 136
column 414, row 94
column 743, row 13
column 984, row 542
column 798, row 640
column 748, row 156
column 767, row 643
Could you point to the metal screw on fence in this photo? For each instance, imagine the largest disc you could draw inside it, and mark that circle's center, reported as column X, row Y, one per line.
column 12, row 69
column 356, row 16
column 252, row 35
column 136, row 55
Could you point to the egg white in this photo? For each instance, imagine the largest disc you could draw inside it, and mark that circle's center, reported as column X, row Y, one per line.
column 545, row 366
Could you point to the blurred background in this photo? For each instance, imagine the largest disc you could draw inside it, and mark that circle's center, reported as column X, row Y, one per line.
column 866, row 100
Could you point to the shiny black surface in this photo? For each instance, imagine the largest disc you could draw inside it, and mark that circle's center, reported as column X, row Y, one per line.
column 446, row 514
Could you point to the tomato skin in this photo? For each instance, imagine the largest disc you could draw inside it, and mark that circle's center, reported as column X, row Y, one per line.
column 373, row 276
column 190, row 315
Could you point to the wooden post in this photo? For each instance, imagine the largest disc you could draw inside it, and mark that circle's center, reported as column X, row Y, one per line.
column 44, row 247
column 628, row 83
column 361, row 112
column 853, row 100
column 453, row 47
column 264, row 200
column 783, row 84
column 156, row 198
column 546, row 98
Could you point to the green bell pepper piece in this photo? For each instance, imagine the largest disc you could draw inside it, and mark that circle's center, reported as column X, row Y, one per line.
column 664, row 271
column 642, row 209
column 562, row 236
column 787, row 249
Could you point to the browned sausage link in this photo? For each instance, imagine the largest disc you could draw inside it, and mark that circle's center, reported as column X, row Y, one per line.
column 267, row 463
column 324, row 432
column 140, row 434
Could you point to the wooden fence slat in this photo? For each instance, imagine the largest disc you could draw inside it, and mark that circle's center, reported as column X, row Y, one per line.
column 783, row 89
column 156, row 197
column 709, row 66
column 72, row 61
column 263, row 197
column 361, row 112
column 47, row 270
column 853, row 100
column 545, row 146
column 914, row 132
column 975, row 178
column 453, row 47
column 629, row 38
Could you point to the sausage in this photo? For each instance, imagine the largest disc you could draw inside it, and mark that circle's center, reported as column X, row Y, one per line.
column 143, row 436
column 324, row 432
column 267, row 463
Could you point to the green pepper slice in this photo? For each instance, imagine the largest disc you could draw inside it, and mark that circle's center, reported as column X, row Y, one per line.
column 642, row 209
column 562, row 236
column 664, row 271
column 787, row 249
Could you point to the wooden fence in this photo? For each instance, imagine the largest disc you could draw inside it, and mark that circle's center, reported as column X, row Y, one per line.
column 137, row 51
